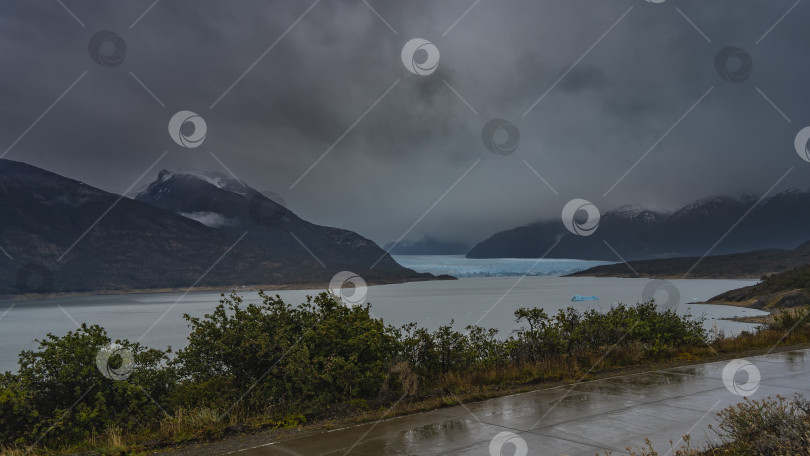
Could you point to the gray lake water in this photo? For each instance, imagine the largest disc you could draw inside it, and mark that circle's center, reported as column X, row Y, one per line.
column 488, row 301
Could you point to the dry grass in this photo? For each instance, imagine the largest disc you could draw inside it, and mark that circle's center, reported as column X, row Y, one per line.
column 770, row 427
column 684, row 450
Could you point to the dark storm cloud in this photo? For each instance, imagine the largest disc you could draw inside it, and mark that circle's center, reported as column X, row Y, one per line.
column 584, row 77
column 340, row 58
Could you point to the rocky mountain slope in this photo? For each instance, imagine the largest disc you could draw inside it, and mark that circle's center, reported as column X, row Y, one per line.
column 146, row 243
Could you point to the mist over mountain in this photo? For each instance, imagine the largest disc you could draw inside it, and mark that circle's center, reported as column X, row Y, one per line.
column 427, row 245
column 781, row 221
column 61, row 235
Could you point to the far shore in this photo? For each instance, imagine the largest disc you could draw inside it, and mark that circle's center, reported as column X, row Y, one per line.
column 322, row 286
column 596, row 273
column 223, row 289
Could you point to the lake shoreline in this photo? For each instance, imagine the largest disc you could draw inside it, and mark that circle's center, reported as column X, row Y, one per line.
column 431, row 304
column 323, row 286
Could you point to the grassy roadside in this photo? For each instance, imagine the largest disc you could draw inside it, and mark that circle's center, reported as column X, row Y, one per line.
column 534, row 360
column 236, row 437
column 186, row 434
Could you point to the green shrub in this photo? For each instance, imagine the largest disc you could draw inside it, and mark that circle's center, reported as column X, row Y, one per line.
column 573, row 332
column 59, row 395
column 275, row 357
column 265, row 362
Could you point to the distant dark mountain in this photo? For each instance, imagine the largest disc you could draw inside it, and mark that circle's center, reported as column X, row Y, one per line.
column 147, row 244
column 623, row 228
column 750, row 265
column 230, row 206
column 778, row 222
column 427, row 246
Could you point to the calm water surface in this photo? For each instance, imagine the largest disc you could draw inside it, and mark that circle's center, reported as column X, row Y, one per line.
column 488, row 301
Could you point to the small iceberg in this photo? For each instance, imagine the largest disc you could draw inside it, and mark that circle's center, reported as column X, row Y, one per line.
column 584, row 298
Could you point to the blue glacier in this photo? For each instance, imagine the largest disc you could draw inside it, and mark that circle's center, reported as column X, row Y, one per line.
column 461, row 267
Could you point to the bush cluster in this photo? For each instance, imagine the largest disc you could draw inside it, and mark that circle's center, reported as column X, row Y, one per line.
column 791, row 319
column 273, row 359
column 770, row 427
column 572, row 332
column 59, row 395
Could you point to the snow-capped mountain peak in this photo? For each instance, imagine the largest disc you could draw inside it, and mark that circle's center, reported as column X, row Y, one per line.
column 216, row 178
column 708, row 206
column 637, row 212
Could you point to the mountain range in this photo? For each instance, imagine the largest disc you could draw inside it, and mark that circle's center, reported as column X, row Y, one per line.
column 186, row 228
column 735, row 225
column 209, row 229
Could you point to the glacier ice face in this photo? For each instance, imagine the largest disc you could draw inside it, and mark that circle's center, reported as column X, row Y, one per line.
column 460, row 266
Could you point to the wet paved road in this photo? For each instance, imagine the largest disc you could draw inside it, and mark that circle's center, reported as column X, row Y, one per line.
column 589, row 418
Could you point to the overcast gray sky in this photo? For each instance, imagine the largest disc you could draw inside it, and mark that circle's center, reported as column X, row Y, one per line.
column 615, row 76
